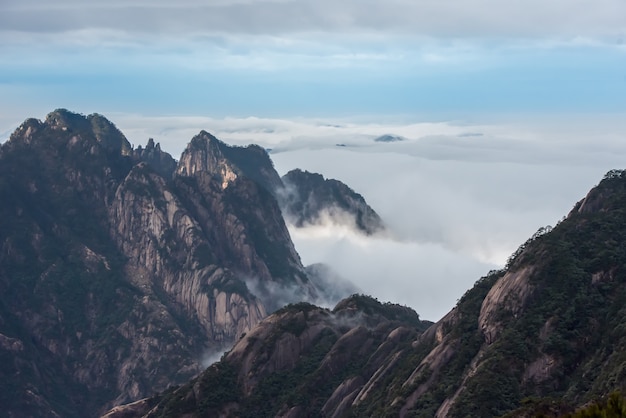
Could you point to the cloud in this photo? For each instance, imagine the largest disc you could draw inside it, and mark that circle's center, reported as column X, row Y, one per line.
column 426, row 277
column 457, row 205
column 453, row 18
column 213, row 356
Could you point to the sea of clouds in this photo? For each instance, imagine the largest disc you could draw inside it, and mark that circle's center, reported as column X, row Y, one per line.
column 458, row 198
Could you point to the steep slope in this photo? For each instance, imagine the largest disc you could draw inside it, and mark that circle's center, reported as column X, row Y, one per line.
column 544, row 335
column 207, row 153
column 300, row 361
column 309, row 198
column 121, row 272
column 549, row 326
column 303, row 197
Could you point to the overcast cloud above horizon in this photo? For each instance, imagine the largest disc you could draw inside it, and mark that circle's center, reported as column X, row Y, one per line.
column 283, row 58
column 512, row 109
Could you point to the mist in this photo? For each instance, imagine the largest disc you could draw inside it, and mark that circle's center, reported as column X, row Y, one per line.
column 457, row 197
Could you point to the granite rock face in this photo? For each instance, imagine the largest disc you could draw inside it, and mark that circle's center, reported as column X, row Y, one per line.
column 122, row 271
column 300, row 361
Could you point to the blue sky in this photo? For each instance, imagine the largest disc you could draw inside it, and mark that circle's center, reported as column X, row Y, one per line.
column 303, row 58
column 483, row 80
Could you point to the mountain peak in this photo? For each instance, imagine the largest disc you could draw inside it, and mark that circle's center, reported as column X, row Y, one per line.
column 159, row 160
column 609, row 194
column 93, row 127
column 206, row 153
column 108, row 135
column 309, row 199
column 64, row 119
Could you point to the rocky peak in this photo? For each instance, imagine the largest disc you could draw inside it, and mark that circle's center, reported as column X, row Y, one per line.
column 159, row 160
column 63, row 119
column 26, row 130
column 109, row 136
column 609, row 194
column 90, row 127
column 206, row 153
column 63, row 130
column 308, row 199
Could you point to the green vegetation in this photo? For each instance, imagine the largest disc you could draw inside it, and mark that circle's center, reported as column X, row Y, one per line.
column 614, row 406
column 293, row 387
column 371, row 306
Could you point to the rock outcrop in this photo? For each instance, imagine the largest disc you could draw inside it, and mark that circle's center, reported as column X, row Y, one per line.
column 160, row 161
column 206, row 153
column 300, row 361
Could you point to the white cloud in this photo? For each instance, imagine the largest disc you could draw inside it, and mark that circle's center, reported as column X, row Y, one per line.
column 425, row 276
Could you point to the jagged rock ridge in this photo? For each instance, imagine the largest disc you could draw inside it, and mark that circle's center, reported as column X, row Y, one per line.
column 207, row 153
column 121, row 270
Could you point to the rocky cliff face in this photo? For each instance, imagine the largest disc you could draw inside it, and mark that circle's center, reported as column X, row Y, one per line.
column 544, row 335
column 122, row 271
column 309, row 199
column 206, row 153
column 160, row 161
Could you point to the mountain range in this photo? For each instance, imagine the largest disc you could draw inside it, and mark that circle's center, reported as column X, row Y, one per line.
column 124, row 274
column 123, row 271
column 539, row 338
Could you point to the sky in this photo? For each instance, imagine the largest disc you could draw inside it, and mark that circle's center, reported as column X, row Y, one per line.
column 511, row 109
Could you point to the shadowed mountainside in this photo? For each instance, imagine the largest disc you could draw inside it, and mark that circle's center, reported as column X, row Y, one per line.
column 310, row 199
column 122, row 270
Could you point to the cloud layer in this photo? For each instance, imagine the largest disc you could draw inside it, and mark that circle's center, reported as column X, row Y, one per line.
column 458, row 198
column 286, row 58
column 453, row 18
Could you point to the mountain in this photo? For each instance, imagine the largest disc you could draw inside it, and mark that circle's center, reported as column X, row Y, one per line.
column 301, row 361
column 304, row 197
column 389, row 138
column 123, row 271
column 309, row 199
column 209, row 154
column 541, row 337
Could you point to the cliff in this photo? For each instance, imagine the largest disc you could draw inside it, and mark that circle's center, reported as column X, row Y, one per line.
column 122, row 271
column 541, row 337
